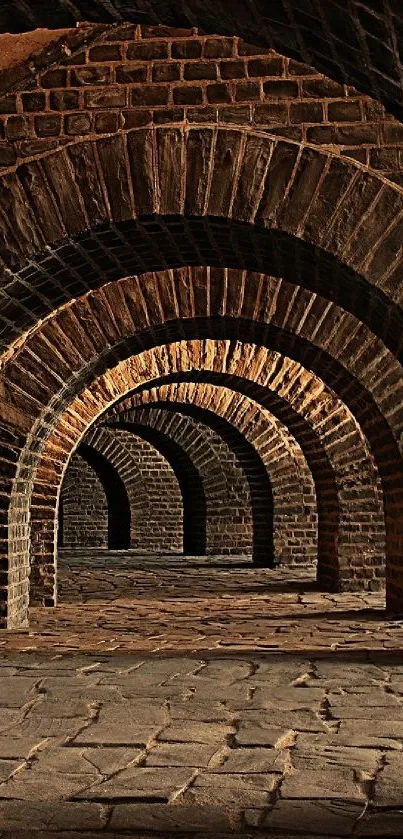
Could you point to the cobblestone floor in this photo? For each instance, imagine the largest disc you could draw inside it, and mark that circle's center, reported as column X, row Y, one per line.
column 205, row 703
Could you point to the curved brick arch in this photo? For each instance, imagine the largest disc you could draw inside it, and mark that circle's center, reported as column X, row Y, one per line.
column 191, row 485
column 155, row 198
column 335, row 370
column 335, row 374
column 98, row 79
column 147, row 368
column 176, row 437
column 353, row 43
column 322, row 443
column 259, row 492
column 293, row 487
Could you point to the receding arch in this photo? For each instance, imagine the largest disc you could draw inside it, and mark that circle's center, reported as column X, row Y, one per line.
column 116, row 495
column 190, row 484
column 255, row 472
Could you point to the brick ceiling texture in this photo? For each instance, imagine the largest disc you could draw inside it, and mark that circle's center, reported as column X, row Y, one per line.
column 357, row 43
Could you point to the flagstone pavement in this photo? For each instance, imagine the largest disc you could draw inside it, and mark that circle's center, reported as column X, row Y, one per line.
column 173, row 697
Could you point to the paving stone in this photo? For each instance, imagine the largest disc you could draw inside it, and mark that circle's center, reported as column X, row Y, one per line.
column 154, row 783
column 322, row 817
column 194, row 732
column 317, row 780
column 43, row 815
column 169, row 818
column 111, row 760
column 232, row 789
column 118, row 725
column 181, row 754
column 15, row 691
column 388, row 789
column 382, row 824
column 252, row 760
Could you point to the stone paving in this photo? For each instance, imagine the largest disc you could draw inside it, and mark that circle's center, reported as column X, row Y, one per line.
column 285, row 719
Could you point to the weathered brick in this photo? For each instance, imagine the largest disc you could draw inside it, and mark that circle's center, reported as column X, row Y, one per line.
column 280, row 89
column 149, row 95
column 130, row 74
column 247, row 91
column 147, row 50
column 54, row 78
column 166, row 71
column 186, row 49
column 105, row 52
column 77, row 124
column 64, row 100
column 218, row 93
column 33, row 102
column 48, row 125
column 270, row 66
column 306, row 112
column 101, row 75
column 17, row 128
column 110, row 97
column 195, row 70
column 188, row 95
column 344, row 111
column 218, row 47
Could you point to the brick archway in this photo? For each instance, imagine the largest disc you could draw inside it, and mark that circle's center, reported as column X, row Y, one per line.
column 258, row 483
column 292, row 483
column 150, row 199
column 253, row 329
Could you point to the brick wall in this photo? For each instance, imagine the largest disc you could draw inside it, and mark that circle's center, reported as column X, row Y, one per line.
column 85, row 510
column 132, row 76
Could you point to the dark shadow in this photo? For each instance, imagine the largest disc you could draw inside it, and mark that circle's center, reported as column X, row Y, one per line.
column 116, row 496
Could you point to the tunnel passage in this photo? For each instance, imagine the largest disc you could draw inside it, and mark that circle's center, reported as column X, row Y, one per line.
column 261, row 496
column 116, row 496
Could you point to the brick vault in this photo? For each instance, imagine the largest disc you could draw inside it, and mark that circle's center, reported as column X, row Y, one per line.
column 201, row 330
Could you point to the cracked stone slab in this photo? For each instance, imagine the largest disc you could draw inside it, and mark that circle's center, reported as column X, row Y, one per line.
column 43, row 815
column 383, row 823
column 141, row 782
column 181, row 754
column 196, row 732
column 388, row 790
column 118, row 725
column 232, row 790
column 300, row 817
column 169, row 818
column 250, row 761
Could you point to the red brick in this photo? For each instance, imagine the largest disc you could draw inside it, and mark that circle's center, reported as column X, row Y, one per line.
column 147, row 50
column 280, row 89
column 232, row 69
column 64, row 100
column 188, row 95
column 17, row 128
column 306, row 112
column 273, row 66
column 54, row 78
column 77, row 124
column 219, row 47
column 217, row 93
column 186, row 49
column 33, row 102
column 166, row 71
column 101, row 75
column 110, row 97
column 346, row 110
column 105, row 52
column 48, row 125
column 131, row 73
column 149, row 95
column 196, row 70
column 247, row 91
